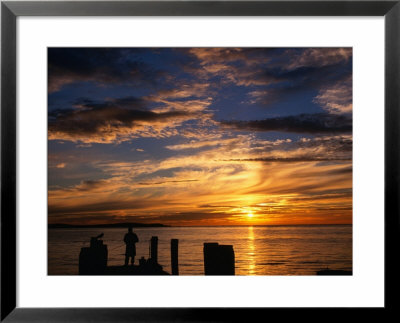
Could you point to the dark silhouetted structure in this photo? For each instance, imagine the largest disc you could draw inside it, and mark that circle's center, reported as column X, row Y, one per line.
column 146, row 268
column 154, row 249
column 130, row 239
column 93, row 260
column 329, row 272
column 218, row 259
column 174, row 257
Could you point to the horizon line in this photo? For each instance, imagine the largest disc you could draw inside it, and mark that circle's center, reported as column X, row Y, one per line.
column 215, row 225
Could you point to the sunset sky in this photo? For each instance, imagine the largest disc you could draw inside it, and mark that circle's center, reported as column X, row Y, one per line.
column 200, row 136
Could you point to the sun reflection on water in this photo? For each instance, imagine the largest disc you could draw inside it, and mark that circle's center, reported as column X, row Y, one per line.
column 251, row 253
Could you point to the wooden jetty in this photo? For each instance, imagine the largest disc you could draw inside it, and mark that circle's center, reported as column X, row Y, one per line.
column 218, row 260
column 93, row 261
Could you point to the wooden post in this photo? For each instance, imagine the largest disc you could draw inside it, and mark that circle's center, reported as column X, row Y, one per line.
column 153, row 249
column 174, row 257
column 210, row 251
column 218, row 259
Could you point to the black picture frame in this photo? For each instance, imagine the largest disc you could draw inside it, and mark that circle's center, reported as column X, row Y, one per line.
column 11, row 10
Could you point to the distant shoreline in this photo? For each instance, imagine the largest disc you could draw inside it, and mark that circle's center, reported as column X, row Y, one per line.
column 159, row 225
column 110, row 225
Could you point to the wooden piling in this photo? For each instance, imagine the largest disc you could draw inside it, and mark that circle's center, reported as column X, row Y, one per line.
column 218, row 259
column 93, row 260
column 174, row 257
column 154, row 249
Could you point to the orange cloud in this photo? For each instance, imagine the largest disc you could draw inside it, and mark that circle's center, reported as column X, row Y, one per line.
column 338, row 98
column 212, row 188
column 319, row 57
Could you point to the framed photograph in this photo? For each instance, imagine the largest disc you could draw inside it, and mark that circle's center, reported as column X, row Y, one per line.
column 198, row 161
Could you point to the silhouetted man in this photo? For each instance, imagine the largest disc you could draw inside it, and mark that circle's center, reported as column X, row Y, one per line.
column 130, row 239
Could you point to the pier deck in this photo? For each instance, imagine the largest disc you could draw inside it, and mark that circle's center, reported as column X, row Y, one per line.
column 134, row 270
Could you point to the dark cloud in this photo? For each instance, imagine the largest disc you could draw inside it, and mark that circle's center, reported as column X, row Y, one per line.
column 325, row 194
column 279, row 70
column 191, row 216
column 89, row 185
column 274, row 74
column 217, row 206
column 108, row 116
column 99, row 65
column 97, row 207
column 305, row 189
column 319, row 123
column 341, row 171
column 322, row 151
column 129, row 102
column 278, row 84
column 164, row 182
column 318, row 56
column 105, row 210
column 335, row 173
column 335, row 145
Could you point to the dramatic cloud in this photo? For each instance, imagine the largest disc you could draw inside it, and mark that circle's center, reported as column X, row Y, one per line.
column 224, row 55
column 195, row 144
column 184, row 90
column 337, row 98
column 200, row 136
column 318, row 57
column 99, row 65
column 275, row 73
column 114, row 121
column 219, row 192
column 304, row 123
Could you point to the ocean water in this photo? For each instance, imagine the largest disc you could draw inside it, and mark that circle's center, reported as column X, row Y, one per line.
column 259, row 250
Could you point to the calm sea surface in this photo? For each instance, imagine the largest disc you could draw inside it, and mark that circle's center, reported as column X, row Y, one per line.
column 261, row 250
